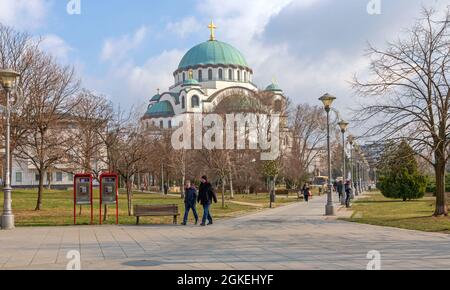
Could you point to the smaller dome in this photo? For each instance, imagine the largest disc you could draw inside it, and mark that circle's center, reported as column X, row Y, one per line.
column 190, row 83
column 273, row 88
column 156, row 98
column 160, row 110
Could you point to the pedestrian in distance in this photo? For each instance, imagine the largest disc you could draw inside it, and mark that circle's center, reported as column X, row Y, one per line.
column 306, row 192
column 340, row 189
column 190, row 202
column 166, row 189
column 206, row 197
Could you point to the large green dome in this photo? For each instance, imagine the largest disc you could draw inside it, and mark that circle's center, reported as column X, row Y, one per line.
column 212, row 52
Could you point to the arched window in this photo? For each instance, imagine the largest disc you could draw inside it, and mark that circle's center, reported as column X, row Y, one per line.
column 230, row 75
column 161, row 124
column 278, row 106
column 170, row 124
column 220, row 74
column 239, row 75
column 195, row 102
column 210, row 76
column 245, row 76
column 184, row 77
column 200, row 75
column 183, row 103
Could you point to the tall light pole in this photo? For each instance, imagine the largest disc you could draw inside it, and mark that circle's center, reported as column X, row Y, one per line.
column 7, row 80
column 327, row 101
column 343, row 125
column 351, row 141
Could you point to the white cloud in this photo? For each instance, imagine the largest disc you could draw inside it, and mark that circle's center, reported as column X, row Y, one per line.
column 134, row 84
column 23, row 14
column 116, row 49
column 155, row 73
column 184, row 27
column 56, row 46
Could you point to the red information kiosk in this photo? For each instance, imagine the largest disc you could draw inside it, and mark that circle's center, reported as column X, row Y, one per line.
column 109, row 192
column 82, row 194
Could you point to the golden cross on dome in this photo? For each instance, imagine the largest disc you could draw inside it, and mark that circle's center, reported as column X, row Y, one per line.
column 212, row 27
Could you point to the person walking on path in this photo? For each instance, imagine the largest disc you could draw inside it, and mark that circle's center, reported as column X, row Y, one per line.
column 340, row 189
column 166, row 189
column 306, row 192
column 206, row 197
column 190, row 202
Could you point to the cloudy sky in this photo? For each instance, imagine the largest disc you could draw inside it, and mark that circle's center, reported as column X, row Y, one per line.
column 128, row 49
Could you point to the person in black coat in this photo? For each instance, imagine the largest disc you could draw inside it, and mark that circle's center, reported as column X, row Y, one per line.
column 206, row 197
column 190, row 202
column 306, row 192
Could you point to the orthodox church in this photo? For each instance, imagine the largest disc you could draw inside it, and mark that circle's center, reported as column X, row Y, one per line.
column 206, row 75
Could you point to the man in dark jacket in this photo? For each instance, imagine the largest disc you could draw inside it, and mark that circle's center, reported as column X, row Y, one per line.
column 190, row 202
column 206, row 197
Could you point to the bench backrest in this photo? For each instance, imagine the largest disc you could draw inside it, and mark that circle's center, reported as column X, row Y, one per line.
column 156, row 209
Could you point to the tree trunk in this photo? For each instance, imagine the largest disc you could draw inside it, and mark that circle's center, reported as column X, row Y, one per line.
column 223, row 193
column 129, row 196
column 231, row 185
column 441, row 195
column 40, row 190
column 183, row 182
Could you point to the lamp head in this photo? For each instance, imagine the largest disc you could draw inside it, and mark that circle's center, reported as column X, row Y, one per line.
column 343, row 125
column 351, row 139
column 8, row 78
column 327, row 101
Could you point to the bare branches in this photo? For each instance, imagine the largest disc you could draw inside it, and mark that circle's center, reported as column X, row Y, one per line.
column 412, row 78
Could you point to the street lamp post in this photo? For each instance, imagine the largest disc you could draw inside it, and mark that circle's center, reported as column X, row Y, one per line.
column 351, row 141
column 327, row 101
column 343, row 125
column 7, row 80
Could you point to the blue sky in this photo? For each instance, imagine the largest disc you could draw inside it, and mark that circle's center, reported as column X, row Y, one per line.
column 128, row 49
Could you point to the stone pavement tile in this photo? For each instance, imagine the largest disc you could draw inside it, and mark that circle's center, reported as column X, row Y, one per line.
column 274, row 266
column 45, row 256
column 242, row 266
column 212, row 266
column 113, row 253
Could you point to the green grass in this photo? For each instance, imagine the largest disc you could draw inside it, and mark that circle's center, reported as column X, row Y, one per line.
column 412, row 215
column 57, row 208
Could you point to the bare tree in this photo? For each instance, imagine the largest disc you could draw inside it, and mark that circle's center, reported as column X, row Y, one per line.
column 18, row 51
column 410, row 94
column 308, row 130
column 46, row 115
column 129, row 154
column 91, row 116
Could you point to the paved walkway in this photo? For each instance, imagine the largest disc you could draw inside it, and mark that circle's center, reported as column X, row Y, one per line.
column 296, row 236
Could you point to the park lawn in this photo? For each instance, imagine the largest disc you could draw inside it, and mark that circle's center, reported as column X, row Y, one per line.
column 412, row 215
column 57, row 209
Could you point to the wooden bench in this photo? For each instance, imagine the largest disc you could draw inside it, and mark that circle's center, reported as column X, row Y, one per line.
column 156, row 210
